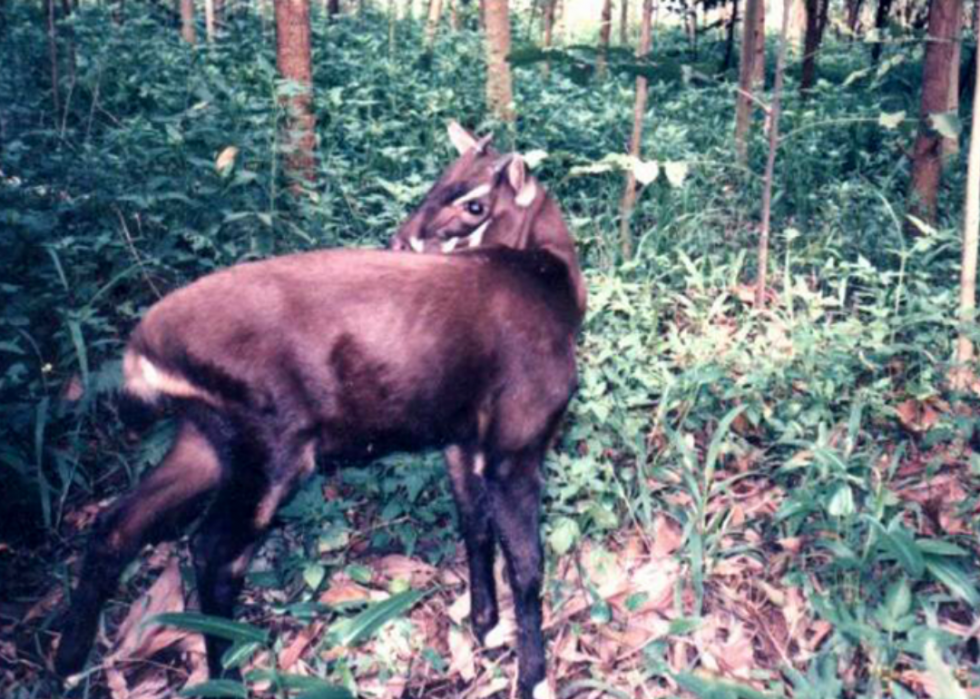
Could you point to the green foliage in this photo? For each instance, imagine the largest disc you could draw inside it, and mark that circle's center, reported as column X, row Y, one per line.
column 686, row 392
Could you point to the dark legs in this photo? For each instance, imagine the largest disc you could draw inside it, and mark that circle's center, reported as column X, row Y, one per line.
column 163, row 503
column 235, row 523
column 515, row 499
column 466, row 467
column 501, row 501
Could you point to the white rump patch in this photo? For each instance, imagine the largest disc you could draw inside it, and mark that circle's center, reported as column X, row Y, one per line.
column 542, row 691
column 474, row 239
column 146, row 380
column 416, row 244
column 474, row 193
column 450, row 245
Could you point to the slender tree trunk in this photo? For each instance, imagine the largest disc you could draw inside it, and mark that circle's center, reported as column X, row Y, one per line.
column 483, row 13
column 500, row 95
column 746, row 71
column 187, row 29
column 605, row 31
column 624, row 15
column 333, row 9
column 548, row 16
column 454, row 15
column 432, row 26
column 881, row 23
column 209, row 19
column 775, row 110
column 811, row 44
column 853, row 17
column 971, row 225
column 639, row 110
column 759, row 63
column 927, row 152
column 951, row 146
column 730, row 38
column 53, row 59
column 293, row 62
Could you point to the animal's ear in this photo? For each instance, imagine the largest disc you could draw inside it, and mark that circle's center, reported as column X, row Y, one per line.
column 463, row 141
column 525, row 189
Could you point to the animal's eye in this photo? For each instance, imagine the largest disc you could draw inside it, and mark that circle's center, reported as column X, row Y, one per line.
column 475, row 208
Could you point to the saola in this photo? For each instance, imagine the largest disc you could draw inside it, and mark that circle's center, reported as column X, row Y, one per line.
column 356, row 353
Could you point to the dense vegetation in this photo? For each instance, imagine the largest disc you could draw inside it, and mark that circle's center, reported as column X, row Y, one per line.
column 745, row 503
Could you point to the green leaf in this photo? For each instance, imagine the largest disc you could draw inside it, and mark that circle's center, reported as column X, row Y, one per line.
column 350, row 632
column 946, row 124
column 952, row 576
column 841, row 502
column 313, row 575
column 563, row 535
column 216, row 688
column 676, row 171
column 213, row 626
column 645, row 171
column 891, row 120
column 946, row 685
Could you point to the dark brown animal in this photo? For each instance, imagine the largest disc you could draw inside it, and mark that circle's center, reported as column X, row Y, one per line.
column 356, row 353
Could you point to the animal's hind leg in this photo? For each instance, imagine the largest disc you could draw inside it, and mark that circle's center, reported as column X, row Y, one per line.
column 158, row 509
column 466, row 466
column 235, row 523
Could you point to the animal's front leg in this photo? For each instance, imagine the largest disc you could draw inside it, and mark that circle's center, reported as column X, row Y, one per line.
column 515, row 504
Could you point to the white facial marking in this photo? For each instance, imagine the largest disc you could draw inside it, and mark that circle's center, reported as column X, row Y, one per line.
column 450, row 245
column 476, row 237
column 416, row 244
column 474, row 193
column 526, row 196
column 542, row 691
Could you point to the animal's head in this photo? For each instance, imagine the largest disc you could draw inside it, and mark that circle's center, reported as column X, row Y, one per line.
column 484, row 198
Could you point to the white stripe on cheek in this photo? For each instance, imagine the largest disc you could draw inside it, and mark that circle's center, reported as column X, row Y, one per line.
column 476, row 237
column 474, row 193
column 450, row 245
column 416, row 244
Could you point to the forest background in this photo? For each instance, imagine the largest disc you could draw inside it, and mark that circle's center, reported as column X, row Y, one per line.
column 767, row 484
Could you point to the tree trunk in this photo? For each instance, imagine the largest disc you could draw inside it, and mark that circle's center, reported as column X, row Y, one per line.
column 971, row 225
column 187, row 28
column 730, row 38
column 811, row 44
column 759, row 62
column 746, row 72
column 499, row 90
column 605, row 31
column 881, row 23
column 926, row 154
column 853, row 17
column 624, row 14
column 454, row 15
column 639, row 110
column 548, row 16
column 53, row 59
column 483, row 13
column 951, row 146
column 293, row 62
column 209, row 19
column 776, row 109
column 333, row 9
column 432, row 26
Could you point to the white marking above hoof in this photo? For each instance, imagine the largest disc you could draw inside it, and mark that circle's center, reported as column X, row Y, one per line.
column 542, row 690
column 500, row 634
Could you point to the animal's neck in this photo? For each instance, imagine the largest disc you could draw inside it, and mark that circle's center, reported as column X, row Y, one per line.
column 549, row 233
